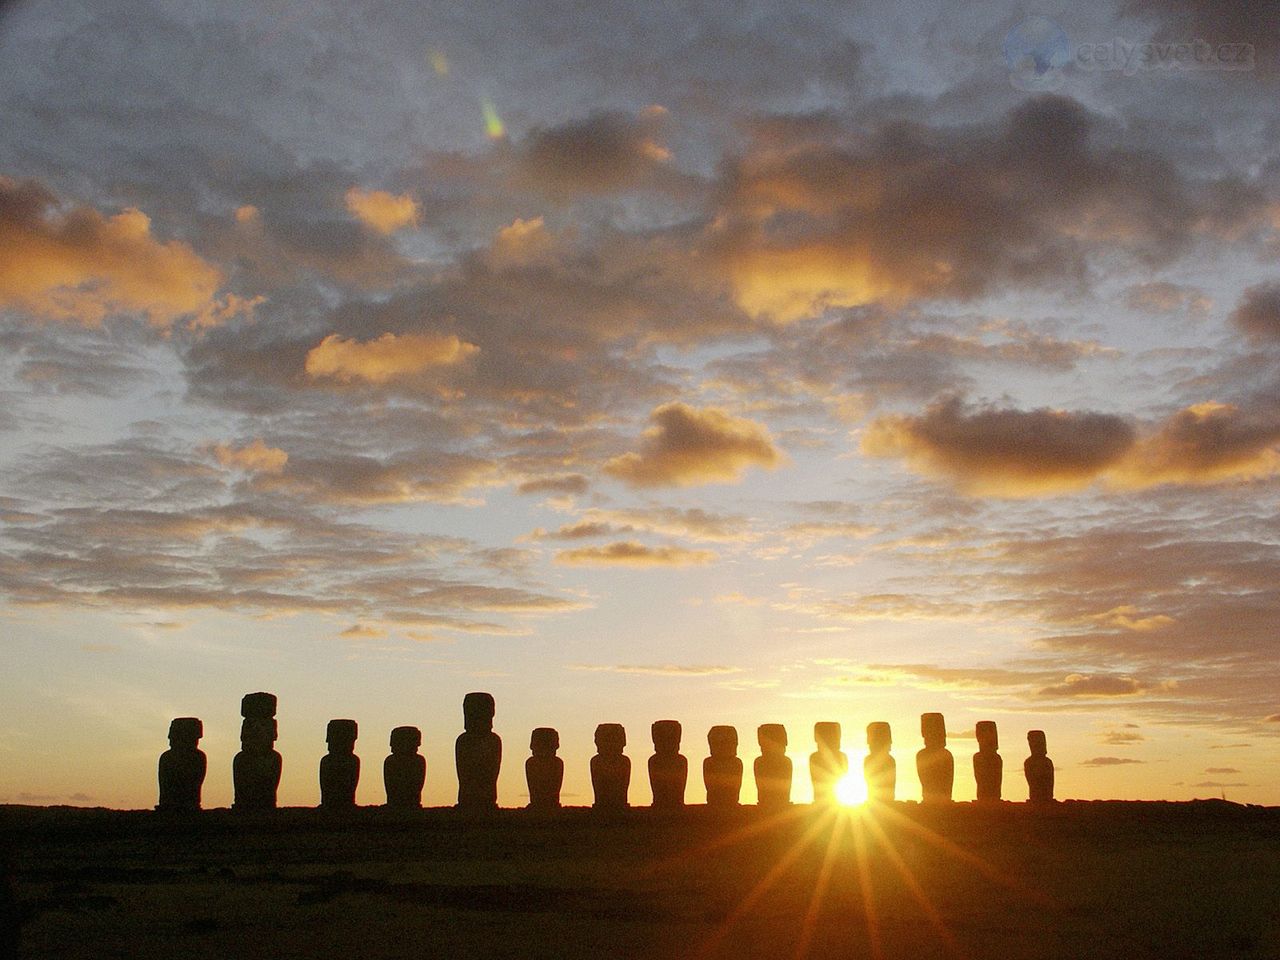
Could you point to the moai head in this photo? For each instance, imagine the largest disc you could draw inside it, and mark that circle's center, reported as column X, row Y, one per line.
column 1036, row 741
column 544, row 742
column 477, row 712
column 988, row 738
column 933, row 727
column 259, row 706
column 341, row 736
column 772, row 738
column 611, row 738
column 666, row 736
column 827, row 735
column 406, row 740
column 185, row 733
column 723, row 741
column 258, row 734
column 879, row 737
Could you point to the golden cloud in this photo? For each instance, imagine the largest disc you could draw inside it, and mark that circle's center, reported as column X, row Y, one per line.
column 79, row 266
column 255, row 457
column 631, row 553
column 1203, row 444
column 687, row 446
column 382, row 211
column 386, row 358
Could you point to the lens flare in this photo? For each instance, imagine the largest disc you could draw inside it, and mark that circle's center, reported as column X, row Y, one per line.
column 851, row 790
column 492, row 122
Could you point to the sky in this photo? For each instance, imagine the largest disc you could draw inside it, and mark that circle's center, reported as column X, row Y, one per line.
column 719, row 361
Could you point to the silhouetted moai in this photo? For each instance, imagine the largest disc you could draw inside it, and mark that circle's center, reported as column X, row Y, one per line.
column 340, row 767
column 478, row 754
column 182, row 767
column 828, row 764
column 610, row 768
column 668, row 767
column 256, row 768
column 544, row 771
column 988, row 767
column 773, row 767
column 879, row 768
column 1038, row 768
column 934, row 764
column 722, row 771
column 405, row 769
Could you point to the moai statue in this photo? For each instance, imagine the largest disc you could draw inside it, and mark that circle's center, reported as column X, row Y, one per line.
column 828, row 764
column 610, row 768
column 1038, row 768
column 722, row 771
column 668, row 767
column 934, row 764
column 340, row 767
column 182, row 767
column 773, row 767
column 405, row 769
column 988, row 767
column 544, row 771
column 478, row 754
column 256, row 768
column 879, row 768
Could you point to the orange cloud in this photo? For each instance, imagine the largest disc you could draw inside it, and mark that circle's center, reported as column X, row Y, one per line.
column 256, row 457
column 382, row 211
column 1204, row 444
column 77, row 265
column 386, row 358
column 687, row 446
column 630, row 553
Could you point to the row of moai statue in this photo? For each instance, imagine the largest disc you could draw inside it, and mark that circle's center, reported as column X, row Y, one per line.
column 478, row 759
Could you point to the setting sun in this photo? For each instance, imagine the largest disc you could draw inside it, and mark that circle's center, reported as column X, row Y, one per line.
column 851, row 790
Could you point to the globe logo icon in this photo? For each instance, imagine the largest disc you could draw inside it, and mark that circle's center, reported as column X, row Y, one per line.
column 1036, row 50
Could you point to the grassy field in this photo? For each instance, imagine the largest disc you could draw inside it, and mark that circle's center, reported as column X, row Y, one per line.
column 1078, row 880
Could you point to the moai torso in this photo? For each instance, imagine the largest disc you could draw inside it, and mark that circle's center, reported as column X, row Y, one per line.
column 340, row 767
column 610, row 768
column 772, row 768
column 668, row 767
column 934, row 764
column 544, row 771
column 256, row 768
column 182, row 767
column 722, row 771
column 1038, row 769
column 828, row 764
column 405, row 770
column 478, row 754
column 879, row 769
column 988, row 767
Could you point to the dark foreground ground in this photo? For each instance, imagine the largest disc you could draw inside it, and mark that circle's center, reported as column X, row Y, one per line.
column 1079, row 880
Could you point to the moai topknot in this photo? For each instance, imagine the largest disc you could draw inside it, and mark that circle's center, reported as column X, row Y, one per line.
column 772, row 768
column 544, row 771
column 668, row 767
column 610, row 768
column 988, row 767
column 405, row 769
column 182, row 767
column 879, row 768
column 478, row 754
column 722, row 771
column 934, row 764
column 1038, row 768
column 256, row 768
column 340, row 767
column 828, row 764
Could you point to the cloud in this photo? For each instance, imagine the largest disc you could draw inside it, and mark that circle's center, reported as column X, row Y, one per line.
column 631, row 553
column 255, row 457
column 1002, row 452
column 565, row 483
column 76, row 265
column 382, row 211
column 603, row 152
column 356, row 479
column 363, row 631
column 661, row 670
column 1221, row 770
column 1165, row 297
column 1217, row 785
column 1121, row 738
column 1258, row 313
column 1109, row 762
column 1273, row 718
column 1081, row 685
column 388, row 357
column 687, row 446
